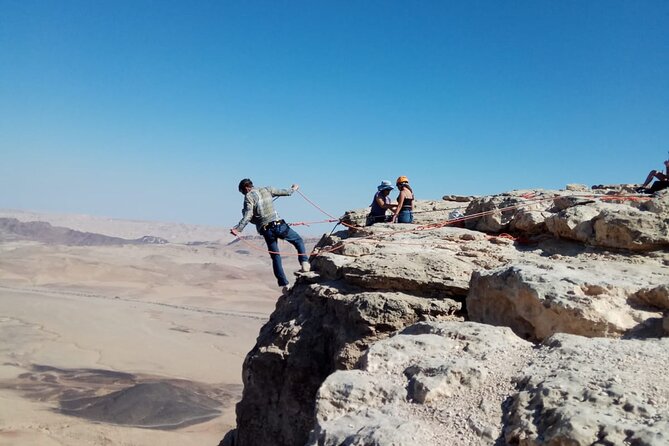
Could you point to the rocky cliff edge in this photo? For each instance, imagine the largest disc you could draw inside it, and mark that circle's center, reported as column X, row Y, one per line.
column 526, row 318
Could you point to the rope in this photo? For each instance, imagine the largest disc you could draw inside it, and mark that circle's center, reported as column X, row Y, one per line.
column 529, row 197
column 308, row 223
column 259, row 249
column 316, row 206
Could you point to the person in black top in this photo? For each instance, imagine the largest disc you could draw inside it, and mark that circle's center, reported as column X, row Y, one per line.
column 404, row 210
column 661, row 183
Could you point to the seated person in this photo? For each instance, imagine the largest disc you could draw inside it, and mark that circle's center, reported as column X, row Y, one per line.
column 661, row 183
column 380, row 204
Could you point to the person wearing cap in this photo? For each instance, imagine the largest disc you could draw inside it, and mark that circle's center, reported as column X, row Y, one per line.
column 380, row 204
column 404, row 210
column 259, row 209
column 661, row 183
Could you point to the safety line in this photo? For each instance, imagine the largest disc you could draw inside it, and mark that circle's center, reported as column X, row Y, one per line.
column 308, row 223
column 436, row 225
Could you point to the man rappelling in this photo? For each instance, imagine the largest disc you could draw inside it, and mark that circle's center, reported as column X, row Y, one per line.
column 259, row 210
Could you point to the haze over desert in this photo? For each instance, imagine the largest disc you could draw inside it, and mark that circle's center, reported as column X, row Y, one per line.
column 125, row 343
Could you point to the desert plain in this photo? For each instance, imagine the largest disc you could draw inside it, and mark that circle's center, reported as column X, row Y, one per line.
column 112, row 343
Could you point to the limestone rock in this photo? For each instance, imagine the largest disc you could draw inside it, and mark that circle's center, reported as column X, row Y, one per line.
column 370, row 427
column 317, row 329
column 541, row 299
column 657, row 297
column 659, row 204
column 444, row 368
column 574, row 223
column 458, row 198
column 631, row 229
column 379, row 259
column 582, row 392
column 505, row 207
column 529, row 222
column 427, row 272
column 618, row 226
column 567, row 201
column 336, row 363
column 360, row 391
column 572, row 390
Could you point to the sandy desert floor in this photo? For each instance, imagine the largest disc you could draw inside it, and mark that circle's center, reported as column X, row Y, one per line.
column 96, row 340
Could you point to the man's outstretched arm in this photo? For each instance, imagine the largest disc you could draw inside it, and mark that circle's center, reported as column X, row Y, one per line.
column 247, row 214
column 284, row 192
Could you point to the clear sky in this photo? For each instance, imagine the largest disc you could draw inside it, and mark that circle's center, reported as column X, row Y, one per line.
column 156, row 109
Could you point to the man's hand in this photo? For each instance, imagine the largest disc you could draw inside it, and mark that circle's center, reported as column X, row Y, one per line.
column 295, row 187
column 234, row 232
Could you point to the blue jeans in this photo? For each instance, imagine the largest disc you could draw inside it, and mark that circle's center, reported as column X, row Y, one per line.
column 272, row 236
column 405, row 216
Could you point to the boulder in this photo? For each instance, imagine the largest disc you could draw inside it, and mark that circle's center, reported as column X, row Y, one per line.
column 633, row 229
column 529, row 222
column 657, row 297
column 577, row 187
column 541, row 299
column 574, row 223
column 499, row 210
column 458, row 198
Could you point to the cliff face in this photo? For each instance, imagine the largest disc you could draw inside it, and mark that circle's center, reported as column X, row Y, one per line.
column 433, row 334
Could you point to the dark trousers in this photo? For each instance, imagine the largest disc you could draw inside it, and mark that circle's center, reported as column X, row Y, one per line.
column 272, row 235
column 371, row 219
column 658, row 186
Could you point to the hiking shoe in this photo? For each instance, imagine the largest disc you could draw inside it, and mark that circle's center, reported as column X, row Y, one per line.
column 285, row 289
column 306, row 267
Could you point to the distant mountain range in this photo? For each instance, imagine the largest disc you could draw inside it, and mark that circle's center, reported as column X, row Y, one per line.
column 39, row 231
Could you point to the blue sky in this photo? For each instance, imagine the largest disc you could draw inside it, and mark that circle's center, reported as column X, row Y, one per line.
column 156, row 109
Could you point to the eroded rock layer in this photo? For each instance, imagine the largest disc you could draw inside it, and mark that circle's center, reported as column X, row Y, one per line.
column 456, row 333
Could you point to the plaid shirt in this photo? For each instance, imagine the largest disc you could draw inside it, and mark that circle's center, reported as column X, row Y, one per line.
column 259, row 207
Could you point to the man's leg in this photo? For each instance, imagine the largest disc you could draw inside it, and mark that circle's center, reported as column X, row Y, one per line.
column 294, row 239
column 273, row 246
column 649, row 178
column 658, row 186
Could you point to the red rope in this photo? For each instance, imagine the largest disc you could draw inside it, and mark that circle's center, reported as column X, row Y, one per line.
column 529, row 197
column 307, row 223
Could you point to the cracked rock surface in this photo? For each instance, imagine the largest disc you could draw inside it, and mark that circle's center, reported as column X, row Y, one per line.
column 426, row 334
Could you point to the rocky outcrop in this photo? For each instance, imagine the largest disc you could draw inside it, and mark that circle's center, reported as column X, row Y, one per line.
column 581, row 391
column 501, row 213
column 342, row 361
column 597, row 219
column 578, row 297
column 319, row 328
column 471, row 384
column 433, row 384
